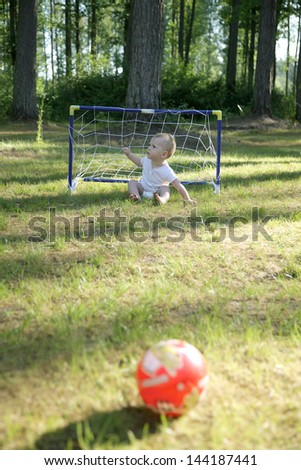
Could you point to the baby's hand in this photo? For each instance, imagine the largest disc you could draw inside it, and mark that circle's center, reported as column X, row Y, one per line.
column 190, row 201
column 127, row 151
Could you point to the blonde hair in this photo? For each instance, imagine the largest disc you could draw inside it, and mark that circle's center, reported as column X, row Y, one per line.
column 169, row 142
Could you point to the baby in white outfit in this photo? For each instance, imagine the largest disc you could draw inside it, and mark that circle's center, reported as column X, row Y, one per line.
column 156, row 173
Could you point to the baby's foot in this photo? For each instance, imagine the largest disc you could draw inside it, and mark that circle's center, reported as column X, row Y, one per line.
column 134, row 198
column 160, row 200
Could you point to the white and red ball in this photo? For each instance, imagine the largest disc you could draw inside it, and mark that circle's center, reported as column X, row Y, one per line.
column 171, row 377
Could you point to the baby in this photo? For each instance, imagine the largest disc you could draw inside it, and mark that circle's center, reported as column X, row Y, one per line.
column 156, row 173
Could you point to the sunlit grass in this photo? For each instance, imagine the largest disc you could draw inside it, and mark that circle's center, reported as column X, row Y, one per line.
column 83, row 297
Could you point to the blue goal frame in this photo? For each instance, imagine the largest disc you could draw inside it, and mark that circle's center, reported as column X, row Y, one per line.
column 73, row 108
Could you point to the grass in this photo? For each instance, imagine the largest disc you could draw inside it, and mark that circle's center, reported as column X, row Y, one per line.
column 82, row 298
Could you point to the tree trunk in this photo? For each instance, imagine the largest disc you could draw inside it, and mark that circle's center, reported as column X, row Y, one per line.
column 263, row 86
column 77, row 36
column 232, row 49
column 25, row 98
column 12, row 30
column 189, row 33
column 298, row 85
column 245, row 50
column 288, row 49
column 93, row 28
column 52, row 43
column 68, row 48
column 77, row 20
column 252, row 49
column 127, row 38
column 181, row 29
column 146, row 32
column 174, row 41
column 296, row 56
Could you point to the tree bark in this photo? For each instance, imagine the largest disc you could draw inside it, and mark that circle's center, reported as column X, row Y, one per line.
column 68, row 47
column 93, row 27
column 189, row 32
column 288, row 48
column 146, row 33
column 297, row 52
column 52, row 43
column 24, row 96
column 127, row 38
column 264, row 74
column 298, row 85
column 77, row 27
column 252, row 48
column 12, row 30
column 232, row 48
column 174, row 41
column 181, row 29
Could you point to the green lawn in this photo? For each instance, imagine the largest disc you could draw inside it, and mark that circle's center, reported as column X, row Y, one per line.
column 83, row 296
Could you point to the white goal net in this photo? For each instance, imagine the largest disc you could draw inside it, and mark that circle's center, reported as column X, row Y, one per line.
column 97, row 135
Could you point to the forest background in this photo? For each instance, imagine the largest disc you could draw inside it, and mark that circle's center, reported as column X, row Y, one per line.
column 60, row 52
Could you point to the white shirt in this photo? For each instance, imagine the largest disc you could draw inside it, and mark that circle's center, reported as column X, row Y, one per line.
column 154, row 177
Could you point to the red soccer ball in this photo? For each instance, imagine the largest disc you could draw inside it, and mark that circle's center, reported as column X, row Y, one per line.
column 171, row 377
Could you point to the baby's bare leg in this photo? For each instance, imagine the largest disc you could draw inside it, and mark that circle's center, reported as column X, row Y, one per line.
column 162, row 195
column 135, row 189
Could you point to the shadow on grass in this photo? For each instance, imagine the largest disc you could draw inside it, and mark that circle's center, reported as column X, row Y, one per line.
column 34, row 179
column 106, row 429
column 66, row 200
column 261, row 178
column 255, row 163
column 258, row 152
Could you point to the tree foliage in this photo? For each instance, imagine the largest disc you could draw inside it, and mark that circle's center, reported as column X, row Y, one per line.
column 209, row 54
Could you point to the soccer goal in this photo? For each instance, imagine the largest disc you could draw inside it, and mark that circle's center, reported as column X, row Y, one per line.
column 97, row 135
